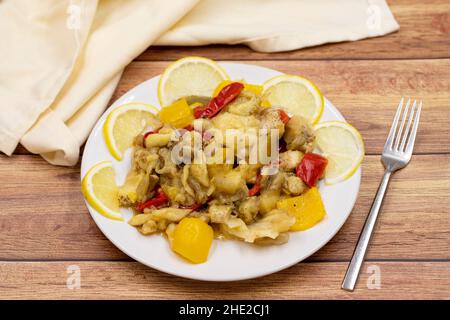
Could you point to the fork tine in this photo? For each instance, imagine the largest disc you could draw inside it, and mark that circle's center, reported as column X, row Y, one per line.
column 412, row 137
column 408, row 126
column 400, row 129
column 390, row 138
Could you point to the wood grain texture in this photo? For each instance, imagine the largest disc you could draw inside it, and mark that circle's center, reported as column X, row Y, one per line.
column 43, row 215
column 366, row 92
column 424, row 33
column 130, row 280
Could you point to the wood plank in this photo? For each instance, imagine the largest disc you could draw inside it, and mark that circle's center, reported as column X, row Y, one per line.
column 43, row 216
column 424, row 33
column 366, row 92
column 130, row 280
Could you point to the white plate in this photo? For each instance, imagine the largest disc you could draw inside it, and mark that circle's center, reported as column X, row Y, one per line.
column 228, row 260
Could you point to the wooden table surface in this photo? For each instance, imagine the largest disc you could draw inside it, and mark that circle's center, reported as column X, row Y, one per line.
column 45, row 227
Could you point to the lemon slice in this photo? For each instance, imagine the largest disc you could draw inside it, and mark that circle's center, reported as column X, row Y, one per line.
column 124, row 123
column 190, row 76
column 296, row 95
column 100, row 190
column 343, row 146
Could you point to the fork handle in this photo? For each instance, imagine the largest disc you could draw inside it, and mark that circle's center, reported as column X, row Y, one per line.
column 363, row 242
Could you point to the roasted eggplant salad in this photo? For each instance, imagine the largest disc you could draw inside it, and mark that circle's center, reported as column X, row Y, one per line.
column 222, row 159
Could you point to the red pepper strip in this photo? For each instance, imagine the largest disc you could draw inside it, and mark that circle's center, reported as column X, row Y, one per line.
column 159, row 200
column 198, row 112
column 256, row 187
column 311, row 168
column 224, row 97
column 284, row 117
column 189, row 127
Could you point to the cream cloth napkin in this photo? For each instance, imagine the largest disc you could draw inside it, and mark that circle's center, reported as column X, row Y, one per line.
column 60, row 60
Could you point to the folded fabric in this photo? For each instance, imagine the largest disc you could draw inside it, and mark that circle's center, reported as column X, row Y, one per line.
column 61, row 60
column 273, row 26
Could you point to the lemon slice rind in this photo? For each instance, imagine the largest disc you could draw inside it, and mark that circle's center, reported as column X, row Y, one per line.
column 87, row 187
column 336, row 154
column 164, row 100
column 110, row 121
column 310, row 86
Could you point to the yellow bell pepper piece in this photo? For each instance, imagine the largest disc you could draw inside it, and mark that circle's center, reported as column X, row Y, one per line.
column 178, row 114
column 192, row 239
column 307, row 208
column 265, row 103
column 256, row 89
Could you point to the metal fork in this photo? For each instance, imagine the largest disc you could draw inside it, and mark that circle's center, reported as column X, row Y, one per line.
column 396, row 155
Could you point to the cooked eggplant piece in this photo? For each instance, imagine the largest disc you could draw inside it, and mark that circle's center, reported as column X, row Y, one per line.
column 249, row 172
column 290, row 159
column 158, row 219
column 294, row 186
column 299, row 135
column 248, row 209
column 199, row 172
column 197, row 99
column 135, row 188
column 167, row 166
column 271, row 190
column 144, row 160
column 220, row 213
column 245, row 104
column 229, row 182
column 270, row 119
